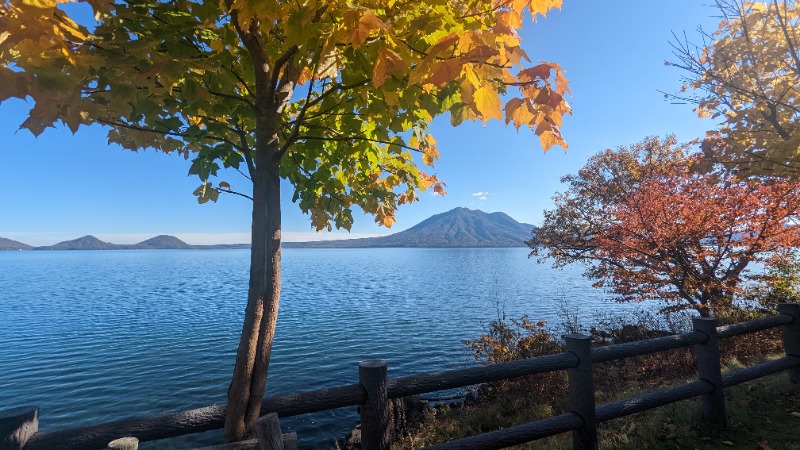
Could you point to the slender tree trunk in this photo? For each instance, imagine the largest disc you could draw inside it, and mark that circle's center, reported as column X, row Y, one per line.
column 246, row 391
column 705, row 303
column 272, row 94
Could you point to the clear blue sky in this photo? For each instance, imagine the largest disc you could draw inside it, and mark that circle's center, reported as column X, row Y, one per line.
column 61, row 186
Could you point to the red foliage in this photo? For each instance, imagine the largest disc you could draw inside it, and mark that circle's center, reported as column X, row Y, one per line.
column 692, row 237
column 653, row 229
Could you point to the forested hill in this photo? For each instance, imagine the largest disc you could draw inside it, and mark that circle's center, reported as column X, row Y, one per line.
column 460, row 227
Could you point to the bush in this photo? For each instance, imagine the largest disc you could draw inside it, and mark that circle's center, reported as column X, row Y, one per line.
column 512, row 339
column 780, row 284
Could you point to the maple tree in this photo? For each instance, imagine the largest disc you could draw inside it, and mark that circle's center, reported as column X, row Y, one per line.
column 747, row 73
column 649, row 226
column 334, row 96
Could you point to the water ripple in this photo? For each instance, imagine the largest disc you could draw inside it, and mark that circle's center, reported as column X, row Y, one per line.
column 97, row 336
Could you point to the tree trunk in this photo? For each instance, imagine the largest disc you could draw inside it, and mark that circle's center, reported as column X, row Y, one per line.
column 705, row 304
column 246, row 390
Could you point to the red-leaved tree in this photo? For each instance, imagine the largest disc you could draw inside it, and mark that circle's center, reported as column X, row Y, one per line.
column 651, row 228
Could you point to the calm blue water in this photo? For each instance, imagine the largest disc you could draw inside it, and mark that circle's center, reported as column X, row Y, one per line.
column 93, row 336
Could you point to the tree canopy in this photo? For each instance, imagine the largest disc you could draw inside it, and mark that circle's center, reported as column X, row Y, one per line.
column 746, row 73
column 650, row 227
column 334, row 96
column 354, row 86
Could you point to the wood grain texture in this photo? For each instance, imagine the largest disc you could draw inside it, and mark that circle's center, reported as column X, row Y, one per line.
column 435, row 381
column 752, row 326
column 709, row 368
column 791, row 336
column 651, row 400
column 375, row 411
column 581, row 392
column 268, row 430
column 17, row 426
column 648, row 346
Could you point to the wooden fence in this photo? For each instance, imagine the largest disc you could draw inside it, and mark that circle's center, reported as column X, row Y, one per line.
column 18, row 427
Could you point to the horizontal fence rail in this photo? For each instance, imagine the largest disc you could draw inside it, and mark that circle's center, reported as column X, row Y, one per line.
column 645, row 347
column 439, row 381
column 633, row 405
column 518, row 434
column 581, row 421
column 752, row 326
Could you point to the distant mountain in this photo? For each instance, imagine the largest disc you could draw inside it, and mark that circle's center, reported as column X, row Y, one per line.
column 161, row 242
column 460, row 227
column 82, row 243
column 9, row 244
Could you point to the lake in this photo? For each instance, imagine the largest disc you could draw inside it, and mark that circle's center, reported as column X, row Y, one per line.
column 93, row 336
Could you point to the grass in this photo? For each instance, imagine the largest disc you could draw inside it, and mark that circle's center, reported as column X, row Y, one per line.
column 763, row 414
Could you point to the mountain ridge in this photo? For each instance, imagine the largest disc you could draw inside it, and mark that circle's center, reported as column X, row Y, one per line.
column 89, row 242
column 10, row 244
column 459, row 227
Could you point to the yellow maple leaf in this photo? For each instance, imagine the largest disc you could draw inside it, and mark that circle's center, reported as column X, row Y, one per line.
column 542, row 6
column 367, row 23
column 519, row 112
column 387, row 63
column 43, row 4
column 444, row 72
column 488, row 104
column 429, row 151
column 550, row 138
column 443, row 43
column 512, row 19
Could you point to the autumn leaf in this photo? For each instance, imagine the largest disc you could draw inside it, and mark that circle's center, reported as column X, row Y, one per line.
column 747, row 76
column 387, row 63
column 429, row 151
column 541, row 71
column 367, row 23
column 488, row 104
column 444, row 72
column 43, row 4
column 518, row 111
column 511, row 19
column 550, row 138
column 440, row 45
column 655, row 230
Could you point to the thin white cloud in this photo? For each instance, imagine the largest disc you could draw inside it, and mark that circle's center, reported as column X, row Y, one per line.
column 480, row 194
column 482, row 197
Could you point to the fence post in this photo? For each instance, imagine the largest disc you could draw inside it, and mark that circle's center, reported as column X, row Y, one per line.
column 708, row 365
column 17, row 425
column 791, row 336
column 581, row 392
column 373, row 376
column 268, row 430
column 126, row 443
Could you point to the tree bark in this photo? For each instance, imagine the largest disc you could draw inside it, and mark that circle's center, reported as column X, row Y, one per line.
column 272, row 94
column 248, row 383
